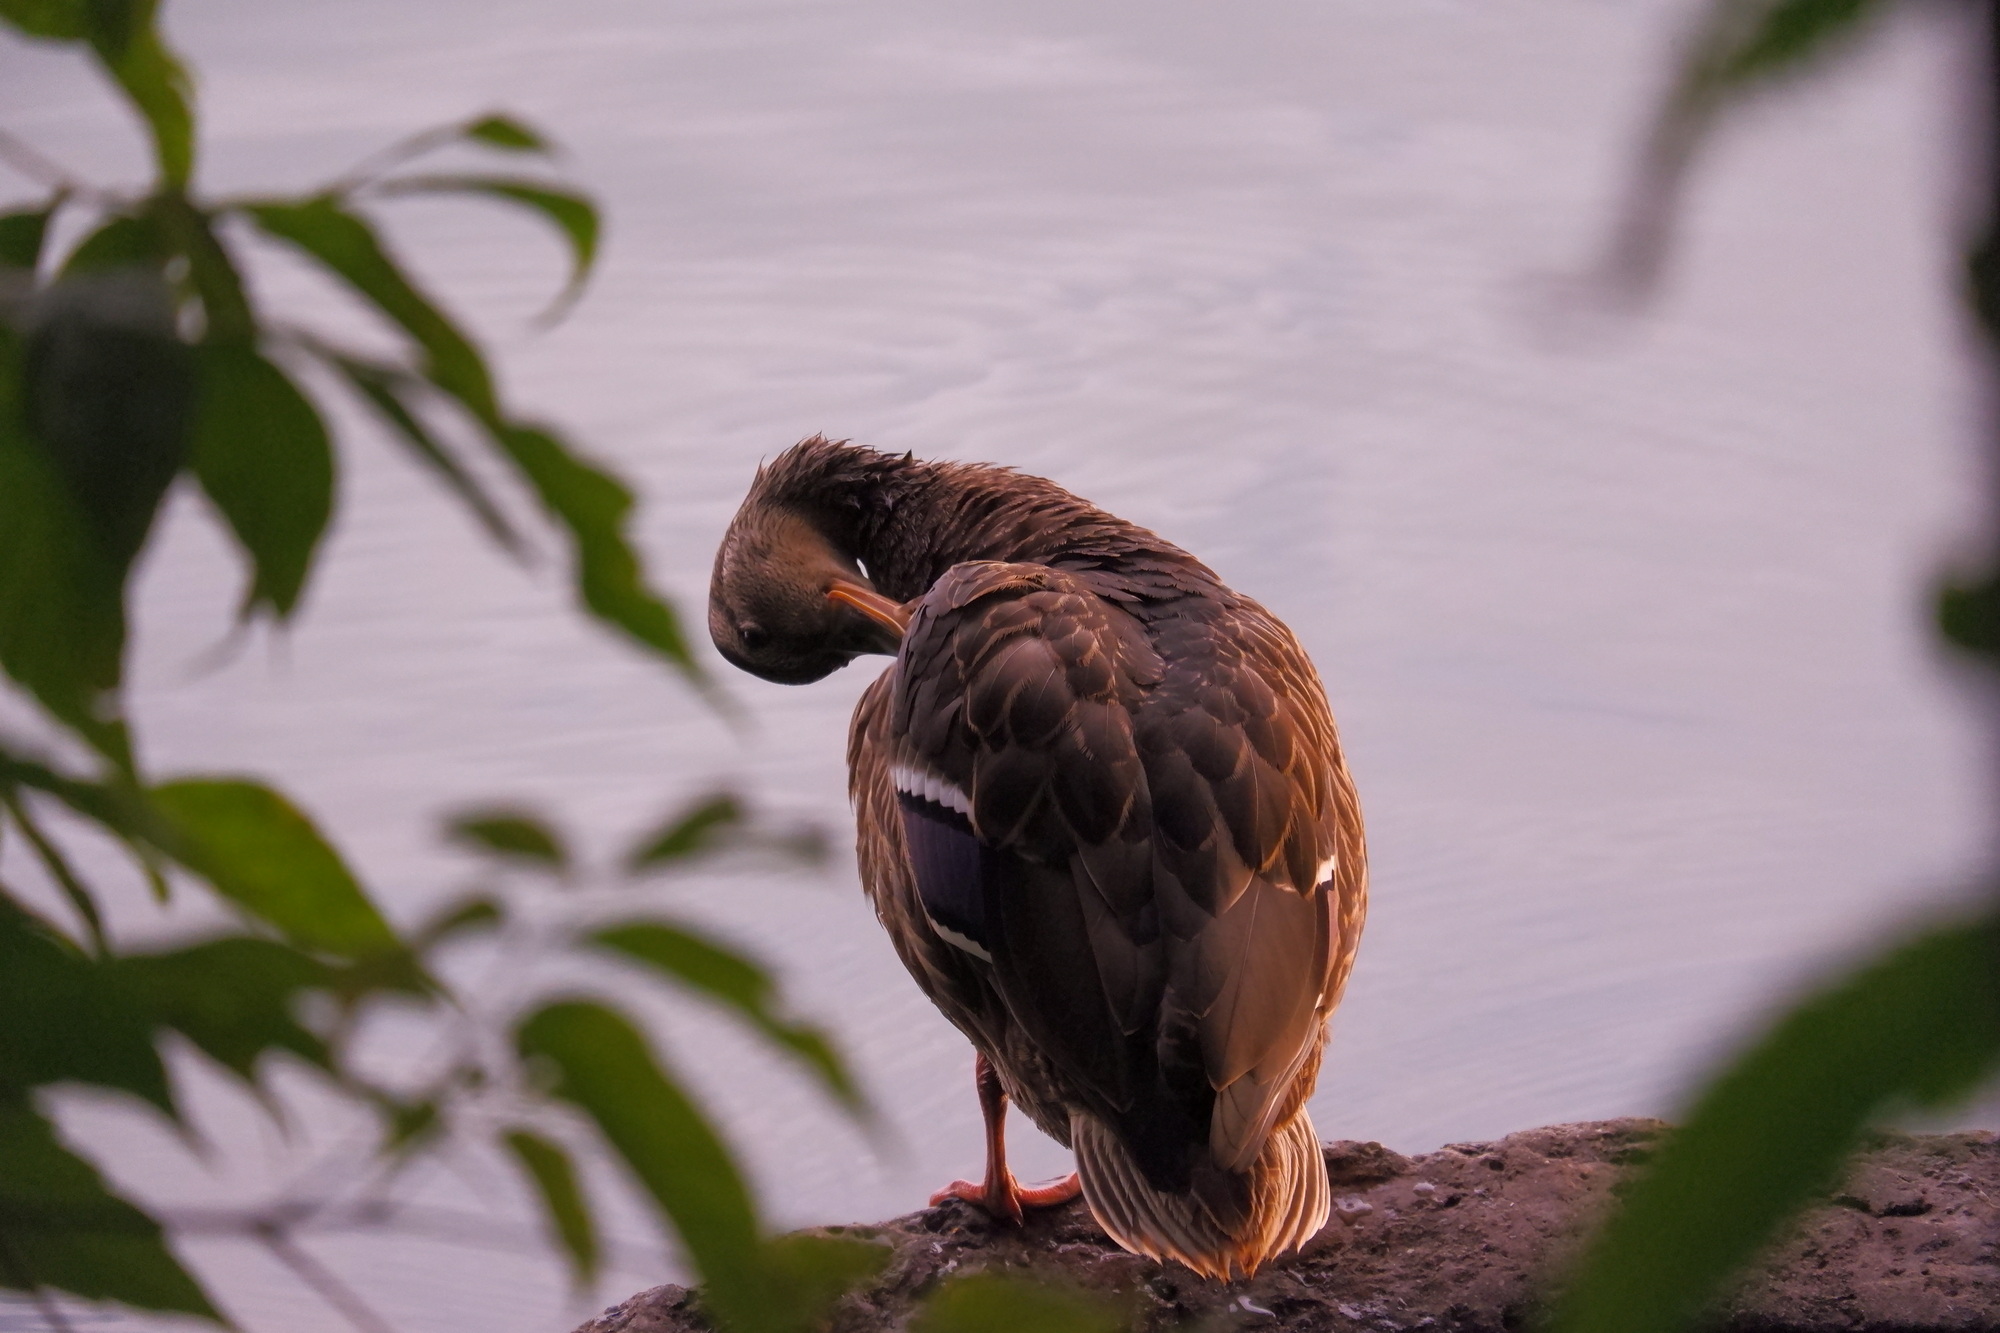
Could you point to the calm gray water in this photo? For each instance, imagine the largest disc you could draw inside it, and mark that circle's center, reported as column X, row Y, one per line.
column 1623, row 626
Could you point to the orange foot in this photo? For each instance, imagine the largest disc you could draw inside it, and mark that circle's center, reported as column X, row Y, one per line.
column 1000, row 1194
column 1005, row 1197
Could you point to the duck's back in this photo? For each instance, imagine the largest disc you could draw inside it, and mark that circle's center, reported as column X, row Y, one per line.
column 1104, row 812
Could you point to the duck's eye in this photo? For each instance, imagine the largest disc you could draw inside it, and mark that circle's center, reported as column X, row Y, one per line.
column 752, row 636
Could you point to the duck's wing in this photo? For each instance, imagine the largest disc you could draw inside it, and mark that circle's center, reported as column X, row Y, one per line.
column 1133, row 838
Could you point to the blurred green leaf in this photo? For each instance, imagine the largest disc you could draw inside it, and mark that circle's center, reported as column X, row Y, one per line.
column 603, row 1066
column 121, row 241
column 58, row 868
column 262, row 854
column 499, row 131
column 119, row 808
column 561, row 1193
column 233, row 997
column 21, row 236
column 998, row 1303
column 60, row 1227
column 348, row 248
column 571, row 213
column 476, row 913
column 687, row 832
column 158, row 86
column 389, row 391
column 262, row 455
column 808, row 1273
column 56, row 20
column 1739, row 43
column 65, row 1024
column 513, row 833
column 1968, row 614
column 1919, row 1026
column 107, row 393
column 594, row 506
column 62, row 613
column 728, row 977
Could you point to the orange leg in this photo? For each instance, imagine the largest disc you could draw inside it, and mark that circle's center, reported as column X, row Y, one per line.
column 1000, row 1194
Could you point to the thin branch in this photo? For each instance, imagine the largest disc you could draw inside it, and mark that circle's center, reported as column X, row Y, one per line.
column 322, row 1280
column 59, row 870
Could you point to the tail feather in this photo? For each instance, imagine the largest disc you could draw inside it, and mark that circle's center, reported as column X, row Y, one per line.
column 1221, row 1233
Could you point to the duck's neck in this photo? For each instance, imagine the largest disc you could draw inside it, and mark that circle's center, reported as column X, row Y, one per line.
column 907, row 521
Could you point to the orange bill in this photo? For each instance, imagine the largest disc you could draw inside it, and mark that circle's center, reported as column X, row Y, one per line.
column 892, row 615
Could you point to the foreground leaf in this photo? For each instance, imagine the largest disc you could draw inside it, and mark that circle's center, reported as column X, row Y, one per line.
column 687, row 833
column 265, row 856
column 390, row 393
column 107, row 393
column 262, row 455
column 62, row 612
column 512, row 833
column 64, row 1024
column 561, row 1193
column 572, row 214
column 723, row 975
column 808, row 1273
column 594, row 506
column 497, row 131
column 1736, row 47
column 21, row 236
column 603, row 1066
column 347, row 247
column 1920, row 1026
column 232, row 997
column 996, row 1303
column 60, row 1227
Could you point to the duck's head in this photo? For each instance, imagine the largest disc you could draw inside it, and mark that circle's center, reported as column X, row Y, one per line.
column 785, row 604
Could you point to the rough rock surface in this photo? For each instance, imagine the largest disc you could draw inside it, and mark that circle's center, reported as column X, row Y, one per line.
column 1467, row 1239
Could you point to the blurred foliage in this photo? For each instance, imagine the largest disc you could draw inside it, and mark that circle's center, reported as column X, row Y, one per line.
column 1916, row 1027
column 137, row 359
column 1001, row 1303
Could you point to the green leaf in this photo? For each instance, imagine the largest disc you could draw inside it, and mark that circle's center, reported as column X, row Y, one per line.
column 594, row 506
column 122, row 241
column 233, row 997
column 60, row 1227
column 388, row 391
column 1920, row 1025
column 21, row 235
column 729, row 978
column 59, row 870
column 129, row 46
column 455, row 919
column 997, row 1303
column 808, row 1273
column 348, row 248
column 514, row 833
column 262, row 455
column 687, row 833
column 266, row 857
column 572, row 214
column 64, row 1023
column 56, row 20
column 107, row 393
column 505, row 132
column 1735, row 48
column 62, row 610
column 1740, row 43
column 561, row 1192
column 602, row 1065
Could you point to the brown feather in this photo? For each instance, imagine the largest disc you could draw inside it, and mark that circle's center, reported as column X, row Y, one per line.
column 1156, row 789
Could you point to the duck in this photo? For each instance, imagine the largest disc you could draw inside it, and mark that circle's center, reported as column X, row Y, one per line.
column 1102, row 813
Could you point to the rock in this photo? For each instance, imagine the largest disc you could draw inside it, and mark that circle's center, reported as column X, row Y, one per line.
column 1468, row 1239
